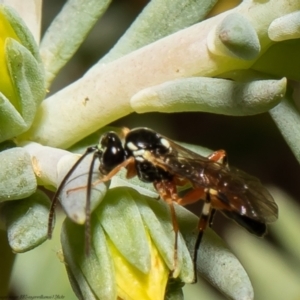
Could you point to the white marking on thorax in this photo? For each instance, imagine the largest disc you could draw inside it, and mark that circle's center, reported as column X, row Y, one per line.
column 165, row 143
column 139, row 158
column 139, row 155
column 140, row 152
column 132, row 146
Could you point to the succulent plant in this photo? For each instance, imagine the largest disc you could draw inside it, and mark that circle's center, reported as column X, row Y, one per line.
column 222, row 57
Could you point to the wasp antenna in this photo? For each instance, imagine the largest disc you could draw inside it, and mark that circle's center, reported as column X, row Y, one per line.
column 88, row 204
column 61, row 186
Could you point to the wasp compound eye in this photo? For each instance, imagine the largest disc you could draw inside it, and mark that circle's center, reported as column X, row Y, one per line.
column 113, row 152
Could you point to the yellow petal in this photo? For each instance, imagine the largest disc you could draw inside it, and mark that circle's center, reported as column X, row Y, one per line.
column 132, row 284
column 6, row 84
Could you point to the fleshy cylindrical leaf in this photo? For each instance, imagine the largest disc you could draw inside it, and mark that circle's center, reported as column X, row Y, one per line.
column 285, row 28
column 235, row 36
column 66, row 33
column 17, row 179
column 26, row 221
column 28, row 78
column 211, row 95
column 83, row 270
column 23, row 33
column 287, row 118
column 159, row 19
column 73, row 196
column 159, row 221
column 215, row 261
column 125, row 238
column 23, row 76
column 106, row 272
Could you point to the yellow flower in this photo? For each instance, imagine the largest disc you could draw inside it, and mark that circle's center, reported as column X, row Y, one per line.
column 134, row 284
column 22, row 85
column 6, row 85
column 132, row 250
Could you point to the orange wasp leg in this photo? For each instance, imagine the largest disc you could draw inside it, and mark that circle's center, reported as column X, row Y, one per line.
column 60, row 187
column 126, row 164
column 113, row 172
column 219, row 156
column 207, row 214
column 168, row 192
column 90, row 184
column 192, row 196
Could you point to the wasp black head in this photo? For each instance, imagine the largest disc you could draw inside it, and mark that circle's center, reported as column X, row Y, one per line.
column 112, row 150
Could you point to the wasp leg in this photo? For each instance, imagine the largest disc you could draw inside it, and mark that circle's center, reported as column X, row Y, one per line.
column 205, row 218
column 60, row 187
column 131, row 169
column 107, row 177
column 192, row 196
column 168, row 192
column 89, row 186
column 219, row 156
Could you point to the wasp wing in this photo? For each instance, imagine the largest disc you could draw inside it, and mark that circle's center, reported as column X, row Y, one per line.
column 237, row 192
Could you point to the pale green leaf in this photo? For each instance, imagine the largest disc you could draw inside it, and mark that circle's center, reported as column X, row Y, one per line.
column 17, row 178
column 26, row 221
column 213, row 95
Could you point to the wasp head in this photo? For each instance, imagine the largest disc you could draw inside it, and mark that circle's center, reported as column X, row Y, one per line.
column 112, row 152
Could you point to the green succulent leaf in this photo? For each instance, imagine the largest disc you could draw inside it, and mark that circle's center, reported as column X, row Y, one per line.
column 236, row 37
column 84, row 271
column 286, row 27
column 23, row 76
column 125, row 238
column 73, row 195
column 117, row 82
column 24, row 35
column 159, row 222
column 211, row 95
column 17, row 178
column 56, row 49
column 215, row 261
column 28, row 79
column 287, row 118
column 120, row 224
column 98, row 269
column 159, row 19
column 26, row 221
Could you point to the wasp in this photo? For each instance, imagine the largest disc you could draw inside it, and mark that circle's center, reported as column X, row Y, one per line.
column 155, row 159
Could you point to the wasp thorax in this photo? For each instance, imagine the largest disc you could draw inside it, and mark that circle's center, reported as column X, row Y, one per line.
column 146, row 139
column 113, row 152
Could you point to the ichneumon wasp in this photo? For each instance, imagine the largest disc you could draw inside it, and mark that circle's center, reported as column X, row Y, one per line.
column 158, row 160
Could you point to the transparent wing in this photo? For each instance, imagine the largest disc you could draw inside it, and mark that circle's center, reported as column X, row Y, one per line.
column 236, row 190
